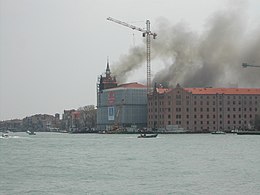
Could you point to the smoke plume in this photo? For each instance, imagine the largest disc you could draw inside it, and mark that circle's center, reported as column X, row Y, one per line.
column 211, row 58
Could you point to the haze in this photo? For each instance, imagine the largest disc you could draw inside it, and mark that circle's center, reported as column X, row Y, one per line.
column 51, row 52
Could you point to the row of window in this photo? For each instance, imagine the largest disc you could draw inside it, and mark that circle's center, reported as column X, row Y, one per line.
column 201, row 109
column 178, row 122
column 214, row 97
column 179, row 116
column 179, row 102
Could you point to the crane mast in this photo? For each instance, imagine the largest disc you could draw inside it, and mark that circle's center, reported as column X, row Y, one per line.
column 146, row 32
column 245, row 65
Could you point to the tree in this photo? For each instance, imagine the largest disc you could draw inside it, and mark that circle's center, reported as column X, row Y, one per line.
column 88, row 116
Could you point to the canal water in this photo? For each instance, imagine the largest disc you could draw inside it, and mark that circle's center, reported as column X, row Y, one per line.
column 53, row 163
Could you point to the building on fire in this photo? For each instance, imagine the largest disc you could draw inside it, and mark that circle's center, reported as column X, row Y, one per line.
column 203, row 109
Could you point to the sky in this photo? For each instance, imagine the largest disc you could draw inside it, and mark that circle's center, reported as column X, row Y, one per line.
column 52, row 51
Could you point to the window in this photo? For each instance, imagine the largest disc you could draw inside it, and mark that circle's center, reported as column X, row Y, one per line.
column 178, row 102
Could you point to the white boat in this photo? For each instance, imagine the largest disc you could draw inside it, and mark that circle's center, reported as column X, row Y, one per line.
column 30, row 132
column 147, row 136
column 218, row 132
column 4, row 135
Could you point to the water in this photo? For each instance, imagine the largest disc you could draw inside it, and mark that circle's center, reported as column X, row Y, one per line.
column 52, row 163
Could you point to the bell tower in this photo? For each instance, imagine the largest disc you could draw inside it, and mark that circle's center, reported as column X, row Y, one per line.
column 107, row 82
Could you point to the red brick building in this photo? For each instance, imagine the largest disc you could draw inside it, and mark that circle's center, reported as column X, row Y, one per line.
column 203, row 109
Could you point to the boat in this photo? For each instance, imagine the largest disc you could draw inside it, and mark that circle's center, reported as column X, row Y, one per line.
column 147, row 136
column 218, row 132
column 248, row 133
column 30, row 132
column 4, row 135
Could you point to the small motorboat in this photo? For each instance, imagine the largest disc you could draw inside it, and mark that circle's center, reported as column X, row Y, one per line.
column 4, row 135
column 147, row 136
column 30, row 132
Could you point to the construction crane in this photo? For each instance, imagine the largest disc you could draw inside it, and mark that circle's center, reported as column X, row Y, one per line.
column 146, row 33
column 245, row 65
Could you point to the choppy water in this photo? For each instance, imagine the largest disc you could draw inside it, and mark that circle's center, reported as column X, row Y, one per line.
column 52, row 163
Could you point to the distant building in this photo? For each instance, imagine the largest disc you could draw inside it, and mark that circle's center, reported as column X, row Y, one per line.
column 67, row 121
column 11, row 125
column 125, row 104
column 203, row 109
column 40, row 122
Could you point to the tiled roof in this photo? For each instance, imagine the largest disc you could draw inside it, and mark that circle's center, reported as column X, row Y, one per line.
column 211, row 91
column 163, row 90
column 234, row 91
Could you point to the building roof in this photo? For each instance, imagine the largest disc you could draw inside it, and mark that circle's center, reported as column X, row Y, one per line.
column 131, row 85
column 211, row 91
column 230, row 91
column 163, row 90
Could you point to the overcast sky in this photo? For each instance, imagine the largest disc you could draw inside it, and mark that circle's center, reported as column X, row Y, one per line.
column 52, row 51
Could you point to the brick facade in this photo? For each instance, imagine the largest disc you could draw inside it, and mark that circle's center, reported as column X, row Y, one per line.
column 203, row 109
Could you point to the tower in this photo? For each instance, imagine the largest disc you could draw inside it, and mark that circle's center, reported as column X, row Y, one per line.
column 107, row 81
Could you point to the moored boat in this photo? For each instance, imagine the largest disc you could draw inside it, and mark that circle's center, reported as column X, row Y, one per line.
column 218, row 132
column 248, row 133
